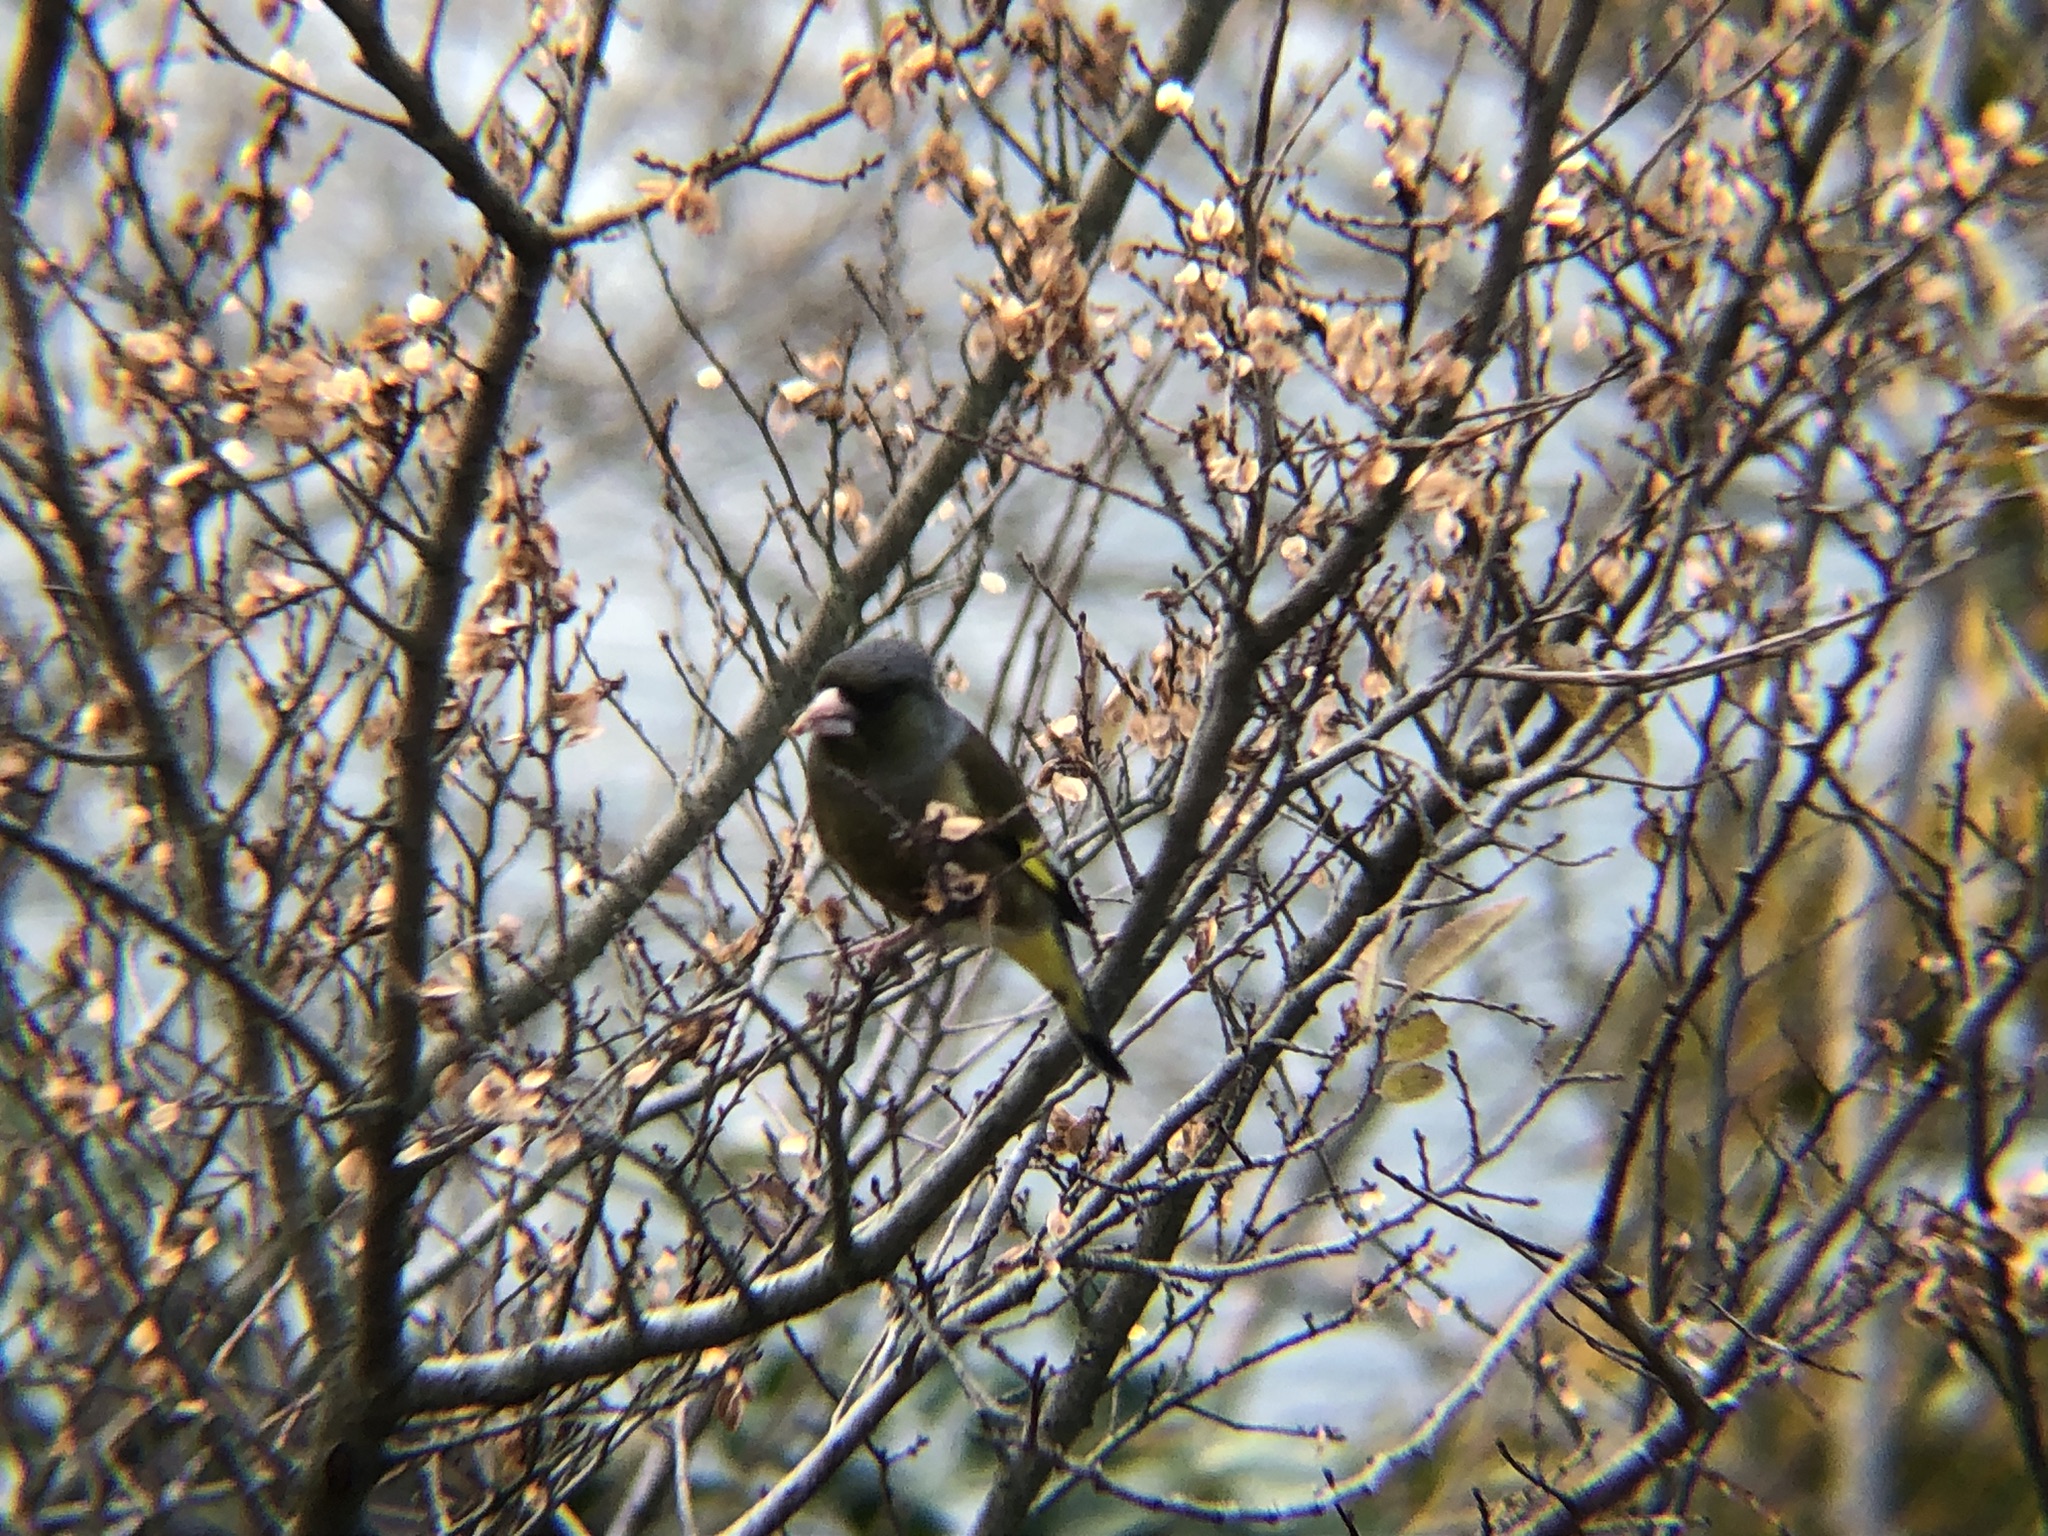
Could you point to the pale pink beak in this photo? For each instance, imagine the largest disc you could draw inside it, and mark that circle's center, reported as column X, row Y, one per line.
column 829, row 714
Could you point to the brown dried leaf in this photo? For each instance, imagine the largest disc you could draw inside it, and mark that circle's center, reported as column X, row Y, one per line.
column 2003, row 408
column 1457, row 941
column 383, row 332
column 1634, row 744
column 686, row 200
column 352, row 1173
column 151, row 349
column 1575, row 699
column 954, row 824
column 1657, row 396
column 1365, row 969
column 492, row 1093
column 1651, row 840
column 641, row 1073
column 563, row 1142
column 578, row 712
column 732, row 1398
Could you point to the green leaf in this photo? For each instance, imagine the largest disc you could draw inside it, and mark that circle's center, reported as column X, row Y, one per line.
column 1419, row 1035
column 1411, row 1083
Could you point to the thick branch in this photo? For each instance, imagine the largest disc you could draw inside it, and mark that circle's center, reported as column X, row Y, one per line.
column 364, row 1402
column 42, row 47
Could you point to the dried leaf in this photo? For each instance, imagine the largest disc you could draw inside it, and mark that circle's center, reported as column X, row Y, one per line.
column 1651, row 840
column 1365, row 969
column 641, row 1073
column 2000, row 408
column 1184, row 1143
column 733, row 1395
column 1115, row 720
column 955, row 825
column 578, row 712
column 1575, row 699
column 1457, row 941
column 1634, row 744
column 563, row 1143
column 872, row 104
column 489, row 1098
column 149, row 348
column 352, row 1172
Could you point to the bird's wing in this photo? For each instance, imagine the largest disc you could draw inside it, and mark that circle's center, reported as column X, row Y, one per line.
column 874, row 843
column 981, row 781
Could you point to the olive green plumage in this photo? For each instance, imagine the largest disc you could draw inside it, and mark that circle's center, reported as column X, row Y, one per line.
column 885, row 748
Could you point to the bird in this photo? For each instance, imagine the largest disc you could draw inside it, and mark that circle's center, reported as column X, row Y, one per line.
column 918, row 809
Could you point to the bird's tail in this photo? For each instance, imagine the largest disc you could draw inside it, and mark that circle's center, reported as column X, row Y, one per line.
column 1046, row 954
column 1095, row 1046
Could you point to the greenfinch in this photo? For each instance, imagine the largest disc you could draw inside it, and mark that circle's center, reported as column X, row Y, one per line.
column 918, row 809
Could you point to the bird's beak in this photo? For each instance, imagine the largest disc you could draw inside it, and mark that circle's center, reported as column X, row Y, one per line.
column 829, row 714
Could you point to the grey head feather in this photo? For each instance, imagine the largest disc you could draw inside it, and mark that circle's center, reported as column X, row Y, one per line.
column 885, row 662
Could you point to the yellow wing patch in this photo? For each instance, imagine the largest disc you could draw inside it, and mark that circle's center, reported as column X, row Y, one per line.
column 1033, row 855
column 1035, row 864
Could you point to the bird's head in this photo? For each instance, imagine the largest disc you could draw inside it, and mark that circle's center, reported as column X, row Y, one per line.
column 879, row 704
